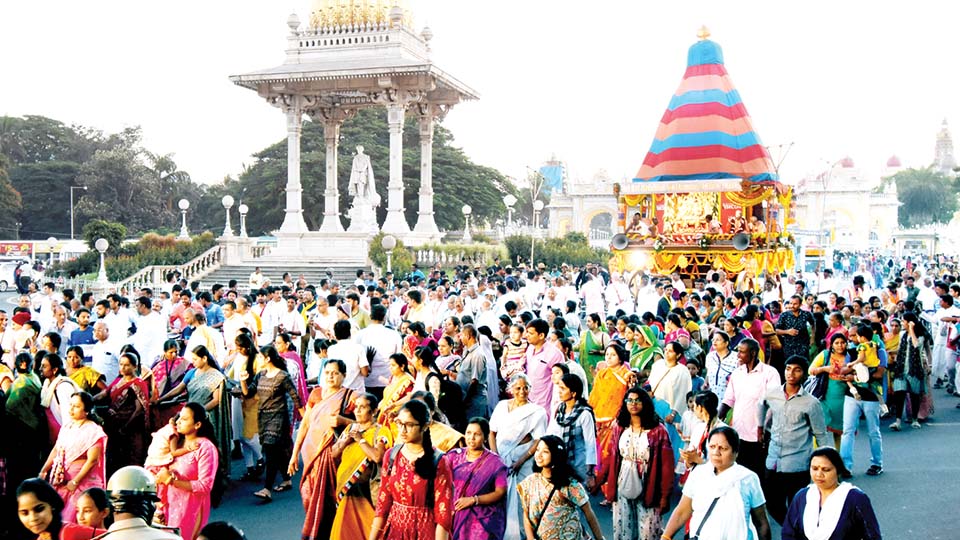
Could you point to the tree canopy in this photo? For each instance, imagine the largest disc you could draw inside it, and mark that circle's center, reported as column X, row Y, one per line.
column 926, row 196
column 127, row 183
column 122, row 181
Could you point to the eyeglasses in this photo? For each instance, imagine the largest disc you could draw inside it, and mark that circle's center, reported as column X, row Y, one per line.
column 407, row 426
column 631, row 401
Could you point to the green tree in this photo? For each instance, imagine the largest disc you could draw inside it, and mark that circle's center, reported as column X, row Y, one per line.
column 10, row 202
column 45, row 189
column 126, row 183
column 114, row 232
column 926, row 196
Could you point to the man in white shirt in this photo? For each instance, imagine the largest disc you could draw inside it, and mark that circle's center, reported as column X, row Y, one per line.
column 928, row 297
column 291, row 321
column 351, row 353
column 232, row 323
column 151, row 332
column 617, row 295
column 944, row 359
column 117, row 317
column 592, row 293
column 105, row 350
column 385, row 342
column 62, row 326
column 256, row 279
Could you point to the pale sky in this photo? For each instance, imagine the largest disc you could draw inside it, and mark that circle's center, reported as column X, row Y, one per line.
column 587, row 81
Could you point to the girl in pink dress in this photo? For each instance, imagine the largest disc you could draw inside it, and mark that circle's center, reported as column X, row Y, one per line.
column 76, row 462
column 190, row 478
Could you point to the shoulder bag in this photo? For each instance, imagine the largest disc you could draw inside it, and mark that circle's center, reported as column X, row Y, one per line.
column 706, row 517
column 536, row 526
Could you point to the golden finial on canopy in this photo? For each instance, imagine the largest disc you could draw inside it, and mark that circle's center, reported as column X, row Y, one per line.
column 330, row 13
column 703, row 33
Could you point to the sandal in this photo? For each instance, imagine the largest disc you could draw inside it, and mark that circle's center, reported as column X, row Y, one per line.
column 263, row 494
column 286, row 485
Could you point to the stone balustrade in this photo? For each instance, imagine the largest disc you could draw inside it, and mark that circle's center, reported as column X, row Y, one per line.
column 429, row 257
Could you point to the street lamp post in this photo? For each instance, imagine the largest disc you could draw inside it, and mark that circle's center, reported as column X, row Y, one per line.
column 537, row 207
column 466, row 227
column 71, row 206
column 52, row 244
column 243, row 219
column 227, row 202
column 509, row 200
column 184, row 205
column 102, row 244
column 388, row 243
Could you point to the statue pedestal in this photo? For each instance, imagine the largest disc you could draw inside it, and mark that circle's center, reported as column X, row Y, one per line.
column 418, row 238
column 333, row 249
column 363, row 219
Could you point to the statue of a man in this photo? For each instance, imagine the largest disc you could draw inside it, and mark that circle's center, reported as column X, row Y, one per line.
column 362, row 185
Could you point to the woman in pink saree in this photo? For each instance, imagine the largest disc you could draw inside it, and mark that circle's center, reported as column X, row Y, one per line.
column 77, row 462
column 191, row 476
column 323, row 421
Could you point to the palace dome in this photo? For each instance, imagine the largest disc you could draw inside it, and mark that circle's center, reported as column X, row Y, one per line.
column 847, row 162
column 894, row 161
column 331, row 13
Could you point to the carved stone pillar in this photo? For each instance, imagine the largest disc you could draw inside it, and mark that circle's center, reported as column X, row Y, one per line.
column 425, row 220
column 396, row 223
column 332, row 118
column 293, row 219
column 293, row 107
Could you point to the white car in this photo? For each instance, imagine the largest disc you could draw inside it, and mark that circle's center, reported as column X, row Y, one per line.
column 7, row 279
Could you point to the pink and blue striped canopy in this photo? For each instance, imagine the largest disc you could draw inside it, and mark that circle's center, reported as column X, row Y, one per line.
column 706, row 132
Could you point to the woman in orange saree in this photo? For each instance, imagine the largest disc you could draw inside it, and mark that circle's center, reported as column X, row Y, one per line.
column 323, row 420
column 606, row 396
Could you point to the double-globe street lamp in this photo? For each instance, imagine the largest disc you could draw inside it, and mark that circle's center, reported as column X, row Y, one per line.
column 509, row 200
column 184, row 205
column 227, row 202
column 466, row 228
column 243, row 209
column 388, row 243
column 102, row 244
column 52, row 244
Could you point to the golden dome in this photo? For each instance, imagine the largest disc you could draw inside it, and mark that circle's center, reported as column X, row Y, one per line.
column 330, row 13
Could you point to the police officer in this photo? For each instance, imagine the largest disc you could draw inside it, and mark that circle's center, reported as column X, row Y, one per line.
column 133, row 492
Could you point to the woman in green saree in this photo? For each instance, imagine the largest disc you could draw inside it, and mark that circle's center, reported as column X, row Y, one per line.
column 593, row 342
column 645, row 351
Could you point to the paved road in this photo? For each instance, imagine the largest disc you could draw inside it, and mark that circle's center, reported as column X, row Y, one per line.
column 916, row 497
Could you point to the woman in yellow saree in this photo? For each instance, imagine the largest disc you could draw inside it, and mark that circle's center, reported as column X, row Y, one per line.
column 359, row 449
column 396, row 393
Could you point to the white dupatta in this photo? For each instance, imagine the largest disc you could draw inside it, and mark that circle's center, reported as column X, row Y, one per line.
column 728, row 519
column 819, row 522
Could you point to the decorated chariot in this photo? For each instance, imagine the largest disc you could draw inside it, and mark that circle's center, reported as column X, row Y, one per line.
column 707, row 195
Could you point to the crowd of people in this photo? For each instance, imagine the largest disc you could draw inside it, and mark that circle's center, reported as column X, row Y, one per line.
column 479, row 403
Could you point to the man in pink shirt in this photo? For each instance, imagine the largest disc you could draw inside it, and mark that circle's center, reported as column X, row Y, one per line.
column 747, row 386
column 541, row 357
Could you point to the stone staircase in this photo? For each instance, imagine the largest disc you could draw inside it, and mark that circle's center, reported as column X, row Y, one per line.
column 314, row 273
